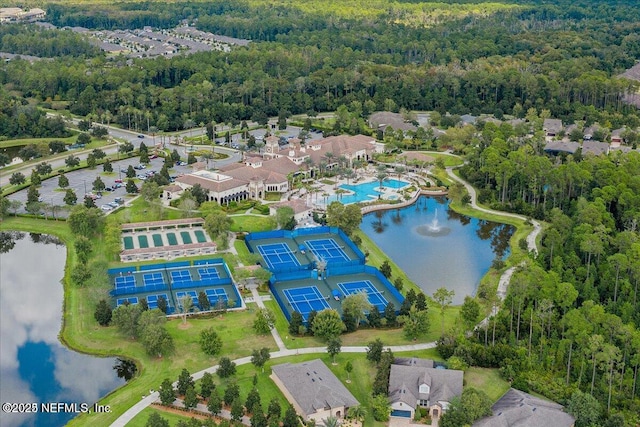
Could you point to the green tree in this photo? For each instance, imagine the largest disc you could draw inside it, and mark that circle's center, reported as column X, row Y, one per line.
column 17, row 178
column 210, row 341
column 444, row 298
column 203, row 301
column 374, row 351
column 91, row 161
column 89, row 202
column 214, row 404
column 190, row 398
column 385, row 269
column 231, row 393
column 237, row 410
column 290, row 418
column 416, row 323
column 390, row 315
column 259, row 358
column 72, row 161
column 184, row 382
column 207, row 385
column 150, row 191
column 83, row 248
column 70, row 197
column 263, row 321
column 85, row 221
column 218, row 225
column 348, row 368
column 63, row 181
column 131, row 187
column 585, row 409
column 295, row 323
column 334, row 346
column 348, row 218
column 274, row 410
column 380, row 408
column 470, row 311
column 226, row 368
column 356, row 304
column 98, row 154
column 103, row 313
column 106, row 166
column 144, row 157
column 98, row 184
column 156, row 420
column 285, row 218
column 125, row 319
column 131, row 172
column 253, row 399
column 327, row 324
column 167, row 392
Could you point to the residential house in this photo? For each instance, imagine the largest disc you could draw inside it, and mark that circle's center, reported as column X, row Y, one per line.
column 301, row 211
column 519, row 409
column 415, row 383
column 557, row 147
column 313, row 390
column 616, row 137
column 384, row 120
column 552, row 127
column 596, row 148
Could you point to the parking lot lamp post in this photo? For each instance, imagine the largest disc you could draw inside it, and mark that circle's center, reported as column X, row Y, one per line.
column 120, row 172
column 85, row 187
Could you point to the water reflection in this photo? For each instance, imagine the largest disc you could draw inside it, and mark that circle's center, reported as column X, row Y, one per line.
column 34, row 366
column 456, row 259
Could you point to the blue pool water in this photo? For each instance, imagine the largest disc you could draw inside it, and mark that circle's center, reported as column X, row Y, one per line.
column 365, row 192
column 437, row 247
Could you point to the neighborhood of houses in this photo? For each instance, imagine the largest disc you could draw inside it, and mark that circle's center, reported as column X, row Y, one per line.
column 17, row 14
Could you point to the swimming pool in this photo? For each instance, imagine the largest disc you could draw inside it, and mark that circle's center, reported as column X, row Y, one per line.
column 366, row 191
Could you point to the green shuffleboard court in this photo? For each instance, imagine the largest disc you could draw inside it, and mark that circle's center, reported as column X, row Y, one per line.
column 143, row 242
column 157, row 240
column 186, row 237
column 128, row 242
column 171, row 237
column 200, row 236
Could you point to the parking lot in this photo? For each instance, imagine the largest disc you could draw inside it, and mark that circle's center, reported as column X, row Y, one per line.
column 81, row 182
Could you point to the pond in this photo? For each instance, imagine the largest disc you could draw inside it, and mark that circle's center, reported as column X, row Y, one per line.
column 436, row 247
column 34, row 366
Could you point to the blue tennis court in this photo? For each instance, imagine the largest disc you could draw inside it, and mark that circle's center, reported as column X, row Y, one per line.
column 152, row 300
column 327, row 249
column 208, row 273
column 278, row 255
column 182, row 294
column 123, row 282
column 152, row 279
column 305, row 300
column 130, row 300
column 216, row 295
column 180, row 276
column 375, row 297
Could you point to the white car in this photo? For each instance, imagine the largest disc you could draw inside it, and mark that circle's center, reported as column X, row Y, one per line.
column 106, row 207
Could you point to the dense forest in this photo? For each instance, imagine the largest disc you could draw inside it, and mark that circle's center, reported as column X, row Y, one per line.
column 571, row 320
column 554, row 56
column 43, row 43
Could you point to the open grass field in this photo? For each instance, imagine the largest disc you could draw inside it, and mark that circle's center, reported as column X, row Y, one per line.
column 487, row 380
column 252, row 223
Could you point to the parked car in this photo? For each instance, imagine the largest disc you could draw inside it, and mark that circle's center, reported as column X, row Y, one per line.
column 114, row 204
column 140, row 166
column 140, row 136
column 118, row 181
column 119, row 200
column 108, row 189
column 142, row 177
column 106, row 207
column 153, row 156
column 117, row 185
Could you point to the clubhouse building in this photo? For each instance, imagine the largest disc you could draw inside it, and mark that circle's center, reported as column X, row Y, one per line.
column 272, row 171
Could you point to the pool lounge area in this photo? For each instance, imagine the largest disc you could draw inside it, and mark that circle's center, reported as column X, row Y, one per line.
column 368, row 191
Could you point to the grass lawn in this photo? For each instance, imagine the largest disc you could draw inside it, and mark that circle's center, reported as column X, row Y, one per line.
column 252, row 223
column 487, row 380
column 36, row 141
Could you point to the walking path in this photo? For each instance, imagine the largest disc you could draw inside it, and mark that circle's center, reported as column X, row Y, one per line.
column 284, row 352
column 531, row 238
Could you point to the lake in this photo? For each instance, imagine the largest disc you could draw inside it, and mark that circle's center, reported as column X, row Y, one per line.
column 34, row 366
column 436, row 247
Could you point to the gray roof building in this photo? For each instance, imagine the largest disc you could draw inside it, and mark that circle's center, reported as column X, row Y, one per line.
column 561, row 147
column 519, row 409
column 313, row 389
column 552, row 126
column 595, row 147
column 414, row 382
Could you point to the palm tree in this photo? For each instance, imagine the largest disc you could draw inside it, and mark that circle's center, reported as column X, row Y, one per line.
column 330, row 421
column 357, row 413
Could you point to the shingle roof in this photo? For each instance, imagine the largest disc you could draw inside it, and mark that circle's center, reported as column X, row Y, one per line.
column 519, row 409
column 405, row 381
column 561, row 146
column 595, row 147
column 552, row 125
column 313, row 386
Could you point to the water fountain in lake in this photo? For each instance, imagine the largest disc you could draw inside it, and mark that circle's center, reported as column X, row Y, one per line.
column 433, row 229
